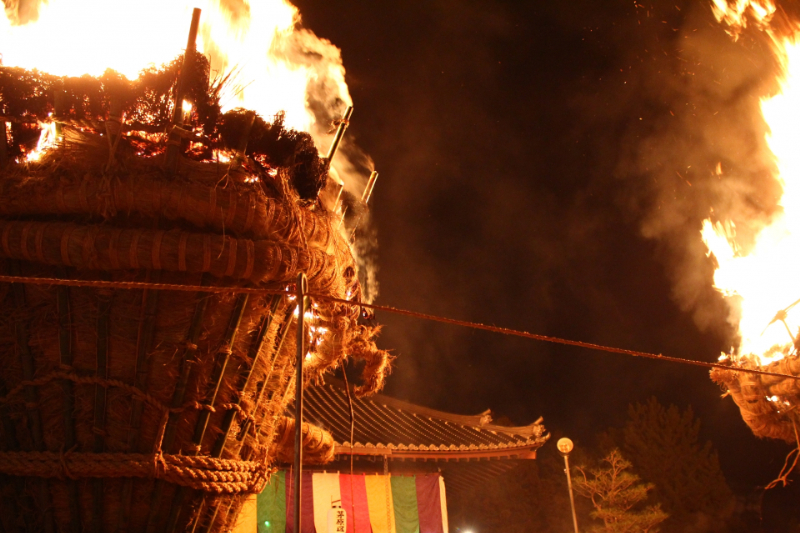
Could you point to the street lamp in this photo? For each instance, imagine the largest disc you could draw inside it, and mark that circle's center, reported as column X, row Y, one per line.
column 565, row 446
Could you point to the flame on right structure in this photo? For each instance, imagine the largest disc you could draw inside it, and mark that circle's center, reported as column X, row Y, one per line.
column 763, row 282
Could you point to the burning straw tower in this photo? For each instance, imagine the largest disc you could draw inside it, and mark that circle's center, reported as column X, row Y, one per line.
column 147, row 327
column 761, row 278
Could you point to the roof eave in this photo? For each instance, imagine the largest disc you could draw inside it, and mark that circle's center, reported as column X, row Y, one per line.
column 527, row 451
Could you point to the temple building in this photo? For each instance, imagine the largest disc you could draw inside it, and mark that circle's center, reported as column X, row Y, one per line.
column 392, row 478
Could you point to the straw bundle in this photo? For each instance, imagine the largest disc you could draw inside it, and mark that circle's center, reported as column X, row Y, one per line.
column 768, row 403
column 125, row 409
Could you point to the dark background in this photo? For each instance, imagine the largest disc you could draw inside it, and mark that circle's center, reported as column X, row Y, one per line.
column 547, row 168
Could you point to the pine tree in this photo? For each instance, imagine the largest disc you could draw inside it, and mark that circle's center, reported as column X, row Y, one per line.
column 663, row 444
column 617, row 497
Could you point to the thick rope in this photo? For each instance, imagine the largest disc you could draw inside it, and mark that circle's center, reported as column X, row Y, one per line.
column 104, row 382
column 395, row 310
column 208, row 474
column 218, row 476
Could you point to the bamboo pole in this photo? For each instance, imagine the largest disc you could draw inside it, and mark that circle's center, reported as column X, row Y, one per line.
column 281, row 335
column 192, row 336
column 174, row 140
column 254, row 354
column 343, row 123
column 365, row 196
column 220, row 365
column 370, row 186
column 247, row 454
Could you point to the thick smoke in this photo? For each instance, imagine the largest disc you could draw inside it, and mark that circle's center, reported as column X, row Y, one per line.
column 693, row 146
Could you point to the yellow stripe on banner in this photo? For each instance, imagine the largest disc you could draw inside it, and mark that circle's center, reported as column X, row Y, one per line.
column 380, row 503
column 326, row 491
column 247, row 521
column 443, row 498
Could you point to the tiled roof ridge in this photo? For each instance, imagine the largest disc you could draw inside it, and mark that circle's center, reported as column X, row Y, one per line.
column 526, row 443
column 482, row 420
column 512, row 449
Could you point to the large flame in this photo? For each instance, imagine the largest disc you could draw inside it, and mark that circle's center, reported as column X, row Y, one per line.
column 764, row 281
column 278, row 66
column 736, row 13
column 274, row 64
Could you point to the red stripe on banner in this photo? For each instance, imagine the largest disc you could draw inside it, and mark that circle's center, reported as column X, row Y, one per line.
column 429, row 504
column 354, row 502
column 306, row 505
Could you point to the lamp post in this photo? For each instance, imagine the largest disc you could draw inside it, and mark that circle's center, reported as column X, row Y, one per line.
column 302, row 289
column 565, row 446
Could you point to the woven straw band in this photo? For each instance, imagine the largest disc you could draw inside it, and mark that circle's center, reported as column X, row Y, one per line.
column 218, row 476
column 105, row 248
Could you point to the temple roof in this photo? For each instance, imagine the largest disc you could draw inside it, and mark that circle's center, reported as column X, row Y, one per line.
column 394, row 429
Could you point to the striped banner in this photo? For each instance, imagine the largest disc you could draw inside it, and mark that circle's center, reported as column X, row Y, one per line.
column 374, row 504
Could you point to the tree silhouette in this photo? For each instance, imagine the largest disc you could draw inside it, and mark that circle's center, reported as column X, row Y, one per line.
column 663, row 444
column 617, row 496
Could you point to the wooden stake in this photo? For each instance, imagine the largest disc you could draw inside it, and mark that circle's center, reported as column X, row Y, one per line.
column 174, row 140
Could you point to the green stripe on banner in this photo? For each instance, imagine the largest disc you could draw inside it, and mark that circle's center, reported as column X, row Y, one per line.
column 404, row 494
column 271, row 510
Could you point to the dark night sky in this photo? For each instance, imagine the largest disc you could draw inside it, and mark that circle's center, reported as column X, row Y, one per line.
column 547, row 168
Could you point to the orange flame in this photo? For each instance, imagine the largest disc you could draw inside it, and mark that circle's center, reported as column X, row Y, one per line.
column 735, row 14
column 763, row 283
column 277, row 65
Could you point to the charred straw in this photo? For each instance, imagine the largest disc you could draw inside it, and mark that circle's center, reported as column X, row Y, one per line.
column 30, row 98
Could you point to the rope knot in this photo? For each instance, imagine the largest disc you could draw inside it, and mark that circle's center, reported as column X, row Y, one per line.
column 65, row 471
column 159, row 464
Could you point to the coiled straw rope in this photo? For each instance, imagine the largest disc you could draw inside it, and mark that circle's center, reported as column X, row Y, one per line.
column 207, row 474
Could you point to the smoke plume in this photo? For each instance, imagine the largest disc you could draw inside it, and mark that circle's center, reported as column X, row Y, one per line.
column 693, row 144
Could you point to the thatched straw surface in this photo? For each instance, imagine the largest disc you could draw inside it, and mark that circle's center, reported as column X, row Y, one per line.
column 92, row 377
